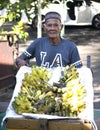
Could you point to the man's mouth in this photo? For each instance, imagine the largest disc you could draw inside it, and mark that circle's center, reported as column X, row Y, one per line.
column 52, row 32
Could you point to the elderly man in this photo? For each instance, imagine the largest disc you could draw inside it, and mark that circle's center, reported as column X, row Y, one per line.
column 51, row 51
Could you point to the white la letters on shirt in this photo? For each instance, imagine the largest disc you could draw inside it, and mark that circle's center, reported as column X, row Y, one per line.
column 57, row 61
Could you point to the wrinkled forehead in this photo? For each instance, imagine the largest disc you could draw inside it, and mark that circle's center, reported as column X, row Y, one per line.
column 52, row 21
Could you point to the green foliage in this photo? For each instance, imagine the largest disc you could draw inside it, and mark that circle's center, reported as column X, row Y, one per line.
column 4, row 3
column 14, row 12
column 19, row 30
column 2, row 20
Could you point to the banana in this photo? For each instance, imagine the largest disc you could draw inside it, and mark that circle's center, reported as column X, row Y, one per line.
column 65, row 98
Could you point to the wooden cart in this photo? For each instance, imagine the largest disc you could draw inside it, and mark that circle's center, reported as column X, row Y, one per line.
column 47, row 124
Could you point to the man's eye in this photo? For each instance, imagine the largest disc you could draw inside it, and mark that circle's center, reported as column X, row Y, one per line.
column 56, row 25
column 52, row 25
column 49, row 25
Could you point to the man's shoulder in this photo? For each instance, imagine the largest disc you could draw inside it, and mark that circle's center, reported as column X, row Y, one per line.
column 68, row 42
column 39, row 40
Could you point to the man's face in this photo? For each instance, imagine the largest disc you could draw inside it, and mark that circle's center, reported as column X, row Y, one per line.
column 53, row 28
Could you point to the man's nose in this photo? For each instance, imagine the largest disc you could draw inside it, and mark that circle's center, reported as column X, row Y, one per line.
column 53, row 26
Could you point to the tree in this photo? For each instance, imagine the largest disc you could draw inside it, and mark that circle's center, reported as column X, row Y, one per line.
column 14, row 9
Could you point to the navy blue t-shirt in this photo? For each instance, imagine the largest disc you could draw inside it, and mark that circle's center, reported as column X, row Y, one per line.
column 50, row 55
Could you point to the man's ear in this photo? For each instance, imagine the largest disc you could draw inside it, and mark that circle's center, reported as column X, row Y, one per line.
column 44, row 27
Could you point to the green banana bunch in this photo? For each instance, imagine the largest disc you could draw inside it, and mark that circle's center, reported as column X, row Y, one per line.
column 21, row 104
column 65, row 98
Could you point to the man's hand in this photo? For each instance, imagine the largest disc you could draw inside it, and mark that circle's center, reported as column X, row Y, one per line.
column 21, row 62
